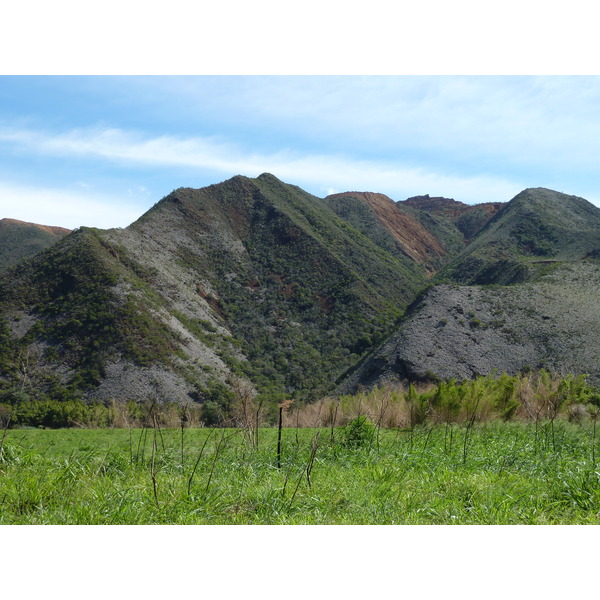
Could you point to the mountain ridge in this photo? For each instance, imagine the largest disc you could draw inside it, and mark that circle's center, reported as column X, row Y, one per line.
column 410, row 236
column 250, row 279
column 255, row 282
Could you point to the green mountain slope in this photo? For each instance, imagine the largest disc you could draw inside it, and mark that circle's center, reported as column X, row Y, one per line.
column 394, row 229
column 251, row 278
column 536, row 227
column 255, row 284
column 303, row 293
column 467, row 219
column 19, row 240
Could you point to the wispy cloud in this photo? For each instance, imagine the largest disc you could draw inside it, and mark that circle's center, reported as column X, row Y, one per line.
column 65, row 208
column 318, row 171
column 520, row 120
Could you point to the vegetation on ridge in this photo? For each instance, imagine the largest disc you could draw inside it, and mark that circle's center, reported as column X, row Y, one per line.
column 284, row 293
column 257, row 281
column 537, row 225
column 19, row 240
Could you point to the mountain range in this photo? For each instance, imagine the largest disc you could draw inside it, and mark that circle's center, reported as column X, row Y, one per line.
column 256, row 283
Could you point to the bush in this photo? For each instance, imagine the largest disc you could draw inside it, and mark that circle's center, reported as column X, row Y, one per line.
column 358, row 433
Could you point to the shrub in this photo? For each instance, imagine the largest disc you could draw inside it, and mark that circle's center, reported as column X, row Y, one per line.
column 358, row 433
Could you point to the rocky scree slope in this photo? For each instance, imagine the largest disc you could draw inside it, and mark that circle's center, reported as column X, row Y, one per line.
column 547, row 245
column 464, row 331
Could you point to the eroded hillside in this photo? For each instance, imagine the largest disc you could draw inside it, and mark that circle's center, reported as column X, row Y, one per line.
column 380, row 218
column 256, row 285
column 463, row 331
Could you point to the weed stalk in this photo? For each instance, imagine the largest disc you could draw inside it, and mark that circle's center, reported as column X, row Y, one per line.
column 469, row 427
column 191, row 477
column 4, row 433
column 153, row 466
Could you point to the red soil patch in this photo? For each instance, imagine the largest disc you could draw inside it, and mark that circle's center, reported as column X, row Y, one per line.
column 413, row 238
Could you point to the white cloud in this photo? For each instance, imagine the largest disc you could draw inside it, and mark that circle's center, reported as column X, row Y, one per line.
column 317, row 171
column 532, row 121
column 497, row 125
column 64, row 208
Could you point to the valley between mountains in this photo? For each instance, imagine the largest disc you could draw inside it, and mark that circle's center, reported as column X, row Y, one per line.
column 255, row 286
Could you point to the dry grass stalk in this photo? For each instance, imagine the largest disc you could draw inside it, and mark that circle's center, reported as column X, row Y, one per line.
column 246, row 411
column 7, row 422
column 283, row 406
column 191, row 477
column 153, row 464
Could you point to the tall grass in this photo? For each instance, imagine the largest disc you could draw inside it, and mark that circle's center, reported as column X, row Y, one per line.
column 533, row 397
column 491, row 450
column 411, row 476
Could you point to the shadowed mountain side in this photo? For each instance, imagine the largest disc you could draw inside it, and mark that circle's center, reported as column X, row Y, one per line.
column 460, row 332
column 20, row 240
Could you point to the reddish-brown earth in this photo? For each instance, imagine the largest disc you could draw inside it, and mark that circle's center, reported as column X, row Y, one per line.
column 414, row 239
column 448, row 207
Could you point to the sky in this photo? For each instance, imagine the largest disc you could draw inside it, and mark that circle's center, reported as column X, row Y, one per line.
column 101, row 150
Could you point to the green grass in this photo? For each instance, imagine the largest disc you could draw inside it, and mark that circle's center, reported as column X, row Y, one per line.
column 506, row 473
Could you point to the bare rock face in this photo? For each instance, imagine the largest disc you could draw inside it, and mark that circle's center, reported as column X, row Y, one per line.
column 464, row 331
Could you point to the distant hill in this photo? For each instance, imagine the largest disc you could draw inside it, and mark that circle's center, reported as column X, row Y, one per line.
column 547, row 242
column 537, row 226
column 469, row 219
column 20, row 240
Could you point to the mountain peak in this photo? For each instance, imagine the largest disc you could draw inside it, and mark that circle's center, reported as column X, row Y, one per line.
column 557, row 208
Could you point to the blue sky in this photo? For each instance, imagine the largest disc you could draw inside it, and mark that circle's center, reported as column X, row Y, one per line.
column 101, row 150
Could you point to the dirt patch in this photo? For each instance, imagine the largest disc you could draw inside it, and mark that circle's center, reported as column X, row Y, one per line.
column 414, row 239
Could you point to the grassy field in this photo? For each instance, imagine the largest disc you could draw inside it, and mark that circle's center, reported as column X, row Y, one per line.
column 495, row 473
